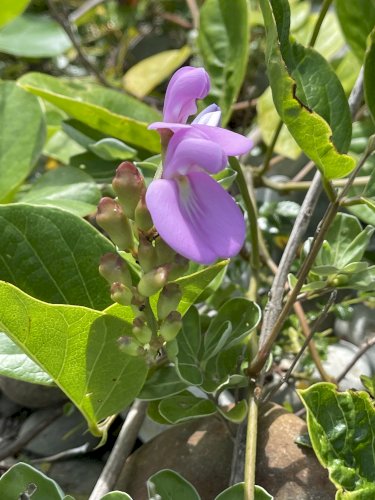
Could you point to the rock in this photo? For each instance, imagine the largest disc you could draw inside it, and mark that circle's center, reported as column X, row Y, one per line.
column 201, row 451
column 77, row 476
column 64, row 433
column 31, row 395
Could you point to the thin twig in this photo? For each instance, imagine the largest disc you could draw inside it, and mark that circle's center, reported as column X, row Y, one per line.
column 298, row 309
column 323, row 11
column 194, row 10
column 72, row 452
column 67, row 27
column 22, row 441
column 82, row 9
column 356, row 95
column 364, row 347
column 121, row 450
column 314, row 328
column 251, row 446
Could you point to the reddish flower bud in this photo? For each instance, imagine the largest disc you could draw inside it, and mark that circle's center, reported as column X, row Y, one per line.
column 153, row 281
column 141, row 331
column 130, row 346
column 165, row 253
column 146, row 254
column 171, row 326
column 112, row 219
column 142, row 216
column 169, row 299
column 128, row 184
column 121, row 294
column 114, row 269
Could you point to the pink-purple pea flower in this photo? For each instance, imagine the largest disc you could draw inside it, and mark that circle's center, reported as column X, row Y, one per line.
column 190, row 210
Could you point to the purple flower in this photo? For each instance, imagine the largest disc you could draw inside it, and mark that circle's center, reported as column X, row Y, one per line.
column 192, row 213
column 186, row 86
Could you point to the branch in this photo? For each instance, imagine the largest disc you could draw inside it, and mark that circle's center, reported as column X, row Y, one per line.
column 364, row 347
column 121, row 450
column 65, row 24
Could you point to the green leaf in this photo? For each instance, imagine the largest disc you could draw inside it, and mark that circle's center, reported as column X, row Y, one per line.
column 347, row 240
column 307, row 94
column 357, row 19
column 242, row 315
column 61, row 147
column 65, row 187
column 189, row 342
column 185, row 406
column 223, row 42
column 369, row 383
column 268, row 120
column 112, row 149
column 14, row 363
column 342, row 431
column 236, row 414
column 167, row 485
column 147, row 74
column 163, row 383
column 369, row 74
column 17, row 479
column 11, row 9
column 78, row 349
column 116, row 495
column 34, row 36
column 22, row 136
column 112, row 113
column 53, row 255
column 222, row 369
column 237, row 492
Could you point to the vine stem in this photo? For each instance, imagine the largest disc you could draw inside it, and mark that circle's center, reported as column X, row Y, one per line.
column 323, row 11
column 251, row 446
column 251, row 209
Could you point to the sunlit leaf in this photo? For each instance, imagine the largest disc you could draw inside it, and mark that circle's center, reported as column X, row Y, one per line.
column 11, row 9
column 147, row 74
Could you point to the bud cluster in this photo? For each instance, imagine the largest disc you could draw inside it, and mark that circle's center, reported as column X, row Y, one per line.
column 128, row 223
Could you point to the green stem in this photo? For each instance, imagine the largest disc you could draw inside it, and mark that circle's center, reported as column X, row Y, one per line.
column 326, row 222
column 251, row 446
column 270, row 149
column 251, row 209
column 326, row 5
column 151, row 320
column 304, row 185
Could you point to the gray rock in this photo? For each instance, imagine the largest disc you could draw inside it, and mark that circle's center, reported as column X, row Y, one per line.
column 201, row 451
column 64, row 433
column 31, row 395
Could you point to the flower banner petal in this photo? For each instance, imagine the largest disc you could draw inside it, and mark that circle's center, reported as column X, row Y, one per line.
column 186, row 86
column 231, row 143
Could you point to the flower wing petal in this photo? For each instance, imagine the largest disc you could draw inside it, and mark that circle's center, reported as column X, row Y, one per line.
column 231, row 143
column 198, row 219
column 190, row 150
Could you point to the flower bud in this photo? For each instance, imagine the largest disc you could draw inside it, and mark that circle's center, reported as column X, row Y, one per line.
column 171, row 326
column 153, row 281
column 130, row 346
column 121, row 294
column 146, row 254
column 141, row 331
column 112, row 219
column 169, row 299
column 165, row 253
column 171, row 350
column 142, row 216
column 114, row 269
column 178, row 268
column 128, row 184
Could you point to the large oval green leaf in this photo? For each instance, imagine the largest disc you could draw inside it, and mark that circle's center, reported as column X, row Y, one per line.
column 342, row 431
column 357, row 19
column 307, row 95
column 113, row 113
column 78, row 349
column 369, row 76
column 223, row 43
column 33, row 36
column 52, row 255
column 11, row 9
column 22, row 136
